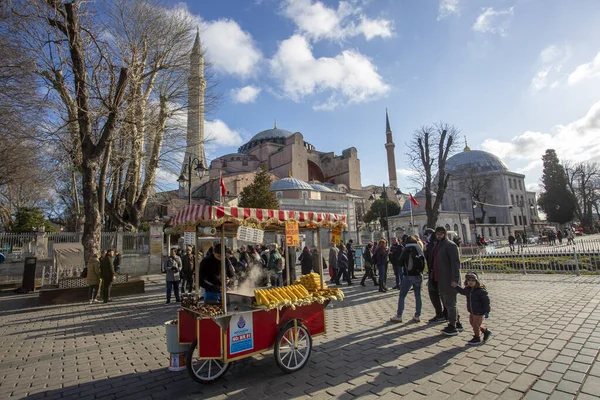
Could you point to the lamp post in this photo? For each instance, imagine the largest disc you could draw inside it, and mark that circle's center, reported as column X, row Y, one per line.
column 385, row 197
column 200, row 169
column 475, row 221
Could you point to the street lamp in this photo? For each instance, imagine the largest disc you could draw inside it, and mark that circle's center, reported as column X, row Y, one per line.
column 385, row 197
column 475, row 221
column 200, row 169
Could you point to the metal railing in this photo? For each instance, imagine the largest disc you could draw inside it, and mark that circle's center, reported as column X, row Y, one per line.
column 136, row 243
column 583, row 256
column 18, row 244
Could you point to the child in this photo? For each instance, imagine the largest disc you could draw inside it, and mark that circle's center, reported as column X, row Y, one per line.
column 478, row 305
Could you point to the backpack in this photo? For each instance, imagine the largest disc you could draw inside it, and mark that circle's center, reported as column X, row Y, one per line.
column 415, row 264
column 84, row 273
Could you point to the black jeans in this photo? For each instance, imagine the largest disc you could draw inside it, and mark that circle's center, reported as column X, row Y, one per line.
column 351, row 269
column 106, row 290
column 434, row 297
column 342, row 272
column 175, row 286
column 187, row 280
column 368, row 274
column 93, row 291
column 449, row 300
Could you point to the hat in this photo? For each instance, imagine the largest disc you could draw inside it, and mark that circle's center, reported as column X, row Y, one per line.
column 472, row 275
column 429, row 230
column 440, row 229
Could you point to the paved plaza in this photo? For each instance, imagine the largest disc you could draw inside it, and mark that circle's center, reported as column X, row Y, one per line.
column 545, row 344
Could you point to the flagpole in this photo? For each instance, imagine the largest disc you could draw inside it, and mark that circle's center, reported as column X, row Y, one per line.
column 220, row 190
column 412, row 225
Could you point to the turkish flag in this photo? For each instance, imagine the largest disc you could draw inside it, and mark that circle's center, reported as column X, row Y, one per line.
column 412, row 200
column 222, row 185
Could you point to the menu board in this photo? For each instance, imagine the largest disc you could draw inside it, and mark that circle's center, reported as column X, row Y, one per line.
column 250, row 235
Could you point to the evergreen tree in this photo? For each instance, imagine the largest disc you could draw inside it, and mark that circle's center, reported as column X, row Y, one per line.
column 377, row 212
column 257, row 194
column 556, row 201
column 28, row 219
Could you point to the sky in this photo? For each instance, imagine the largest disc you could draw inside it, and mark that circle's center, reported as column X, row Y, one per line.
column 514, row 76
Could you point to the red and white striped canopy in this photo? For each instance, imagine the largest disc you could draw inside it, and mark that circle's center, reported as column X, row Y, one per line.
column 205, row 215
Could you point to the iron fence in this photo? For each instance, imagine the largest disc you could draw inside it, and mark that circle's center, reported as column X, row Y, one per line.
column 136, row 243
column 583, row 256
column 15, row 245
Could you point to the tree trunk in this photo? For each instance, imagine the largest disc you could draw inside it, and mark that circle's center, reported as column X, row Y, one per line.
column 91, row 206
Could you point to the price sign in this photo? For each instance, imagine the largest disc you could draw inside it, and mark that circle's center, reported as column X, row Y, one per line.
column 250, row 235
column 189, row 238
column 292, row 233
column 336, row 235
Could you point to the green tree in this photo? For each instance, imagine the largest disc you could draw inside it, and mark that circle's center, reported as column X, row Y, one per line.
column 556, row 201
column 377, row 212
column 28, row 219
column 257, row 194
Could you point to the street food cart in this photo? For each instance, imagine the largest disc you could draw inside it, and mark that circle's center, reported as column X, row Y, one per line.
column 240, row 326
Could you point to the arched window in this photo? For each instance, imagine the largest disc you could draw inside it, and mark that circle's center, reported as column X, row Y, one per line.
column 447, row 227
column 224, row 163
column 456, row 228
column 497, row 232
column 304, row 195
column 463, row 204
column 503, row 231
column 512, row 199
column 490, row 232
column 279, row 195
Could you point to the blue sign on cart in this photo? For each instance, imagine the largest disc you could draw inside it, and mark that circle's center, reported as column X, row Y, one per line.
column 241, row 333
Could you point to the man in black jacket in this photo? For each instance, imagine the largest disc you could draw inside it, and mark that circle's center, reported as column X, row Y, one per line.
column 395, row 253
column 187, row 270
column 107, row 271
column 351, row 253
column 445, row 272
column 210, row 275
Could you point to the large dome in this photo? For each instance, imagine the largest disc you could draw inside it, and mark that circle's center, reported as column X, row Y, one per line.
column 271, row 133
column 289, row 184
column 481, row 161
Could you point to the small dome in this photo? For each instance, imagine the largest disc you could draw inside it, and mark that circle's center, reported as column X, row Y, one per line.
column 289, row 184
column 481, row 161
column 319, row 187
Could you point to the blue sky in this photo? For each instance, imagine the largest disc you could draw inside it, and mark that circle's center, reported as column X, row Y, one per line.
column 515, row 76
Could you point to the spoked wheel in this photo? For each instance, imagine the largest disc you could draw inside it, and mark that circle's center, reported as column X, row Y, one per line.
column 204, row 371
column 292, row 348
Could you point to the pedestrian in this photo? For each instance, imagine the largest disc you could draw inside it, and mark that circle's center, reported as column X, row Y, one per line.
column 172, row 269
column 107, row 272
column 117, row 261
column 306, row 261
column 559, row 236
column 446, row 269
column 275, row 266
column 93, row 277
column 368, row 258
column 333, row 257
column 351, row 254
column 519, row 243
column 395, row 252
column 478, row 305
column 412, row 261
column 187, row 271
column 441, row 314
column 342, row 263
column 570, row 237
column 381, row 259
column 511, row 242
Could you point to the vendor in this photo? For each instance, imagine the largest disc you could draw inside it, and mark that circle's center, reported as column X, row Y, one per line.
column 210, row 275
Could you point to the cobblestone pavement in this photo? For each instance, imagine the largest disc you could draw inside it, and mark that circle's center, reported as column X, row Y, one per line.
column 545, row 344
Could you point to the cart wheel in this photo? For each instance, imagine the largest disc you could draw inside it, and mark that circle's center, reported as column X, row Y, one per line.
column 292, row 357
column 204, row 371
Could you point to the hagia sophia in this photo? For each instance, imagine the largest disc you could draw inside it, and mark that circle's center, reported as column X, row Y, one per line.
column 305, row 178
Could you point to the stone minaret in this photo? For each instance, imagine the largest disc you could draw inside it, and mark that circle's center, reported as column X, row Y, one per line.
column 389, row 148
column 195, row 122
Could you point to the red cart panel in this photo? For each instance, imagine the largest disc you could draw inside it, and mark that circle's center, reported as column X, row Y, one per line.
column 312, row 316
column 209, row 339
column 186, row 327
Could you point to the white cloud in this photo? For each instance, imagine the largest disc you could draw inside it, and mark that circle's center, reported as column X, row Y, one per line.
column 493, row 21
column 229, row 48
column 349, row 77
column 447, row 8
column 246, row 94
column 217, row 133
column 551, row 61
column 406, row 172
column 317, row 21
column 585, row 71
column 577, row 141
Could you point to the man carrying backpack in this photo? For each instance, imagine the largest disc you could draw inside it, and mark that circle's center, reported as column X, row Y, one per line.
column 395, row 253
column 412, row 261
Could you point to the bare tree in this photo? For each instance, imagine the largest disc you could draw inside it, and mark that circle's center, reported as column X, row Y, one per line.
column 582, row 180
column 428, row 152
column 476, row 185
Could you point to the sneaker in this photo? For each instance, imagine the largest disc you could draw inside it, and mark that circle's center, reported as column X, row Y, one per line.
column 450, row 331
column 91, row 301
column 436, row 320
column 476, row 341
column 416, row 319
column 486, row 335
column 396, row 319
column 396, row 287
column 459, row 327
